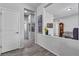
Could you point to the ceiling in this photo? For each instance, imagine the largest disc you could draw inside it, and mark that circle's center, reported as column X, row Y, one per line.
column 60, row 9
column 34, row 5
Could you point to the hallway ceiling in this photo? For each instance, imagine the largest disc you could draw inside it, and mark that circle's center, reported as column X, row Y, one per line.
column 34, row 5
column 62, row 9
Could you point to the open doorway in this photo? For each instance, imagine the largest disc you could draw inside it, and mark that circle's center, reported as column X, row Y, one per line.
column 61, row 29
column 29, row 27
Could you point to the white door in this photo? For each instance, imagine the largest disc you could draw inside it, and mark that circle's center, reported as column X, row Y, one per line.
column 10, row 30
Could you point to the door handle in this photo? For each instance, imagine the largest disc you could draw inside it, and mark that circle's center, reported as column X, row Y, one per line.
column 17, row 32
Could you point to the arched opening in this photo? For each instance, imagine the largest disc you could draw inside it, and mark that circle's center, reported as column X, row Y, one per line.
column 61, row 29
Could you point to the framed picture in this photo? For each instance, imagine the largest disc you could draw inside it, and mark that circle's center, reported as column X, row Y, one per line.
column 50, row 25
column 40, row 23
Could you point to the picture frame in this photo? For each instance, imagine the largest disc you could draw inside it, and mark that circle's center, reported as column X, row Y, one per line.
column 50, row 25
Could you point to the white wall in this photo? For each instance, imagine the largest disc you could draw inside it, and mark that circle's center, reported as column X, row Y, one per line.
column 25, row 26
column 48, row 18
column 78, row 20
column 38, row 12
column 0, row 33
column 59, row 46
column 20, row 9
column 70, row 22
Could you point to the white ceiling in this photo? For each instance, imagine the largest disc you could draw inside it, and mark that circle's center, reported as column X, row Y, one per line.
column 59, row 9
column 34, row 5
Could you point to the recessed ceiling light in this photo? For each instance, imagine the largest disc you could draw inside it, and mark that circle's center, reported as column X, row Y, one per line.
column 25, row 11
column 68, row 9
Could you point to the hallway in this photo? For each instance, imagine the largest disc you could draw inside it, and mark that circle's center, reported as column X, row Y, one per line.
column 53, row 27
column 29, row 50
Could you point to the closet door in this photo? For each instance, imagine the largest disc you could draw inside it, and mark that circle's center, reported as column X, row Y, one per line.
column 10, row 40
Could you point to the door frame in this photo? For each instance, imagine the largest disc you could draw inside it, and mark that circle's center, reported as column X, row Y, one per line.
column 29, row 25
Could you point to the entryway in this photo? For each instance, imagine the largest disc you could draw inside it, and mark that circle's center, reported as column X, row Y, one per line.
column 29, row 27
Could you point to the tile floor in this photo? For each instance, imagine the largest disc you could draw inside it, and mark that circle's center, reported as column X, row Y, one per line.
column 29, row 50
